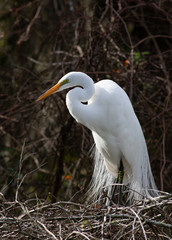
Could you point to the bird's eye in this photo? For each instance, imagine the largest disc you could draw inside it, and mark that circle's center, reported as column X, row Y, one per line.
column 64, row 82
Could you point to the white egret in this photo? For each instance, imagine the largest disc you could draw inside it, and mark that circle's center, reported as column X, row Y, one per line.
column 119, row 140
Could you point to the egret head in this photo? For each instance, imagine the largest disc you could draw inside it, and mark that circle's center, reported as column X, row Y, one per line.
column 61, row 85
column 71, row 79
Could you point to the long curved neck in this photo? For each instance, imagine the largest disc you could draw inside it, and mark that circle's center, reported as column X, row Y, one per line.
column 83, row 92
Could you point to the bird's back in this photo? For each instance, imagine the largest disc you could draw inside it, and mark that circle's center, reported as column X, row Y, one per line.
column 118, row 136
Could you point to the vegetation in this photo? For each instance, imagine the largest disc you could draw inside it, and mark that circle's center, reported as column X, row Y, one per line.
column 44, row 153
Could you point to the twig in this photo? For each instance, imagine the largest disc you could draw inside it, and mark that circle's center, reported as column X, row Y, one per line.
column 24, row 37
column 144, row 233
column 45, row 228
column 19, row 173
column 78, row 233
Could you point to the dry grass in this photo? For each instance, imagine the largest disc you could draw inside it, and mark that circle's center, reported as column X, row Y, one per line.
column 38, row 219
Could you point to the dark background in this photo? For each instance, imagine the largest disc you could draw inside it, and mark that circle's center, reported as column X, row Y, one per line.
column 44, row 153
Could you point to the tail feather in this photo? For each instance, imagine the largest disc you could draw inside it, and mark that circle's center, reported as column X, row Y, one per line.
column 101, row 178
column 140, row 184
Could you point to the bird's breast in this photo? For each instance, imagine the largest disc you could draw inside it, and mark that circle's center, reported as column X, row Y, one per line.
column 109, row 148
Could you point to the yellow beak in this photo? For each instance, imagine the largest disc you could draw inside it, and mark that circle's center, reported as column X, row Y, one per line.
column 50, row 91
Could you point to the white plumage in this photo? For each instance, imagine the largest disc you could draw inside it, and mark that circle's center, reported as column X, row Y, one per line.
column 116, row 131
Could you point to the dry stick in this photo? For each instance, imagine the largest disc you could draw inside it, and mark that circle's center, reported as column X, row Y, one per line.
column 90, row 217
column 19, row 185
column 73, row 176
column 150, row 37
column 79, row 233
column 60, row 231
column 20, row 167
column 133, row 227
column 137, row 216
column 48, row 231
column 102, row 229
column 24, row 37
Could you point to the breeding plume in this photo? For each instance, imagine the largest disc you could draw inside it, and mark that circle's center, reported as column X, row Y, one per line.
column 119, row 140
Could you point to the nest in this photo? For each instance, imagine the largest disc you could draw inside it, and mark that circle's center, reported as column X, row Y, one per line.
column 36, row 219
